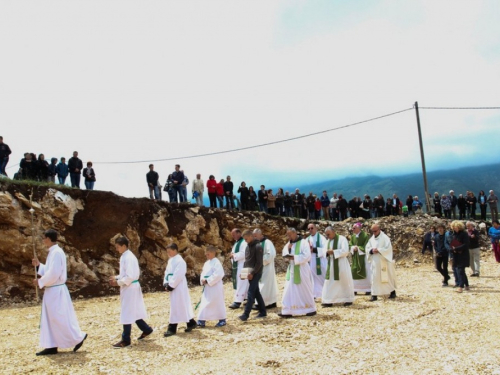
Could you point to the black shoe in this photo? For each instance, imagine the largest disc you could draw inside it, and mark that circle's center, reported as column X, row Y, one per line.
column 474, row 275
column 48, row 351
column 243, row 318
column 311, row 313
column 235, row 305
column 169, row 333
column 284, row 316
column 191, row 325
column 355, row 293
column 271, row 306
column 448, row 278
column 260, row 316
column 121, row 344
column 373, row 299
column 348, row 304
column 326, row 304
column 393, row 294
column 144, row 335
column 368, row 293
column 79, row 345
column 445, row 283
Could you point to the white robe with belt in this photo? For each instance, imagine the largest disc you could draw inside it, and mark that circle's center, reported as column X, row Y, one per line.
column 341, row 290
column 59, row 326
column 212, row 306
column 319, row 280
column 132, row 302
column 382, row 265
column 268, row 285
column 240, row 294
column 298, row 299
column 181, row 310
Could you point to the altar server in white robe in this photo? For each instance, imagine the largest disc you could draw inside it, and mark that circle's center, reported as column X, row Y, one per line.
column 317, row 244
column 133, row 309
column 181, row 310
column 58, row 324
column 379, row 255
column 268, row 285
column 212, row 305
column 237, row 256
column 298, row 297
column 339, row 287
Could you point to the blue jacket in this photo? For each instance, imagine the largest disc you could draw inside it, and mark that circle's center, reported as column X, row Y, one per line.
column 62, row 170
column 494, row 234
column 440, row 244
column 325, row 201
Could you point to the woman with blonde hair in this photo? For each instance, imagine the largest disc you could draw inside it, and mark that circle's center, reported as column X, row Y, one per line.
column 459, row 245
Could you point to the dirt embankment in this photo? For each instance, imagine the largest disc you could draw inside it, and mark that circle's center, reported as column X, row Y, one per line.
column 88, row 221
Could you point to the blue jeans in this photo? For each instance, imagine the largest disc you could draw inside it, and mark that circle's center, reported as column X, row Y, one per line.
column 178, row 193
column 89, row 185
column 220, row 198
column 127, row 329
column 253, row 295
column 75, row 180
column 172, row 195
column 62, row 180
column 263, row 207
column 184, row 197
column 229, row 202
column 155, row 190
column 3, row 165
column 462, row 277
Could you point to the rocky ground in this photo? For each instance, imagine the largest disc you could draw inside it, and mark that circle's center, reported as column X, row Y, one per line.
column 426, row 330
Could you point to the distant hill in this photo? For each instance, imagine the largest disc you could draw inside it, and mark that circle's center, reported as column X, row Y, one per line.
column 460, row 180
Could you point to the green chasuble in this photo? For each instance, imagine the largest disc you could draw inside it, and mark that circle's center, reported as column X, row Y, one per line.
column 234, row 271
column 335, row 260
column 358, row 268
column 296, row 267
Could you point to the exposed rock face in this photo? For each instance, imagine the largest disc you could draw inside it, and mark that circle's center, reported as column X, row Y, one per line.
column 88, row 223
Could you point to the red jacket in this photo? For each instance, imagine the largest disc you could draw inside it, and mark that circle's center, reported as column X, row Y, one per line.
column 317, row 205
column 212, row 186
column 220, row 189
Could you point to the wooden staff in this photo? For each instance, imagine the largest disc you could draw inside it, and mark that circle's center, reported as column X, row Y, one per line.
column 32, row 212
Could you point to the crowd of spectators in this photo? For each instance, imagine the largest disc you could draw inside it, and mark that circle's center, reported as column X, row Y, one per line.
column 223, row 194
column 38, row 168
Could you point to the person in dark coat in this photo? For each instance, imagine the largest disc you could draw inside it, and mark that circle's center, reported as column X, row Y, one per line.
column 252, row 199
column 354, row 207
column 461, row 204
column 428, row 238
column 436, row 201
column 460, row 254
column 342, row 206
column 75, row 166
column 409, row 204
column 441, row 260
column 243, row 191
column 472, row 203
column 482, row 199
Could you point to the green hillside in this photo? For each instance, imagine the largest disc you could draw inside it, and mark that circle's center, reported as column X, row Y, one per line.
column 460, row 180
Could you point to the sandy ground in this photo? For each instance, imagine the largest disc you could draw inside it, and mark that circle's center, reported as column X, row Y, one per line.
column 427, row 330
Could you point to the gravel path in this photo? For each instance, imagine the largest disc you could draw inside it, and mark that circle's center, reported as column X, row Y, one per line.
column 427, row 330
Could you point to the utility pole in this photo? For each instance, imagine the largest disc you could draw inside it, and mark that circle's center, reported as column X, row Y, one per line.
column 422, row 157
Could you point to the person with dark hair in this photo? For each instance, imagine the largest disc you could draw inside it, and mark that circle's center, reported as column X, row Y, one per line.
column 169, row 189
column 409, row 204
column 462, row 205
column 178, row 179
column 317, row 245
column 268, row 286
column 280, row 201
column 453, row 200
column 254, row 258
column 5, row 151
column 297, row 204
column 220, row 192
column 441, row 259
column 389, row 209
column 43, row 168
column 262, row 199
column 75, row 167
column 89, row 175
column 271, row 202
column 133, row 309
column 237, row 256
column 494, row 234
column 342, row 206
column 228, row 193
column 243, row 191
column 472, row 202
column 175, row 283
column 459, row 245
column 354, row 207
column 52, row 170
column 310, row 200
column 474, row 249
column 152, row 178
column 212, row 191
column 428, row 238
column 252, row 199
column 325, row 205
column 436, row 200
column 59, row 326
column 483, row 204
column 62, row 171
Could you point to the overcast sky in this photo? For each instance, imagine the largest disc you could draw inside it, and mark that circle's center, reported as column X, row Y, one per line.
column 137, row 81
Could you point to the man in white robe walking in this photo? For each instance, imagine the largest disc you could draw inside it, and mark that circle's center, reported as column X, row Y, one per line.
column 318, row 263
column 212, row 305
column 181, row 310
column 339, row 287
column 379, row 255
column 132, row 309
column 268, row 285
column 58, row 324
column 298, row 297
column 237, row 256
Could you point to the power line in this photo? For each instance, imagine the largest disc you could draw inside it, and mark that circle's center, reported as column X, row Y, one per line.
column 452, row 108
column 259, row 145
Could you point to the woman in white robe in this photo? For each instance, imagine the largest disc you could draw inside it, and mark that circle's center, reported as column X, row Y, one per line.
column 341, row 290
column 298, row 297
column 181, row 310
column 212, row 305
column 379, row 255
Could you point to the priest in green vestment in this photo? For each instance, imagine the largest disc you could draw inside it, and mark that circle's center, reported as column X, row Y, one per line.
column 361, row 271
